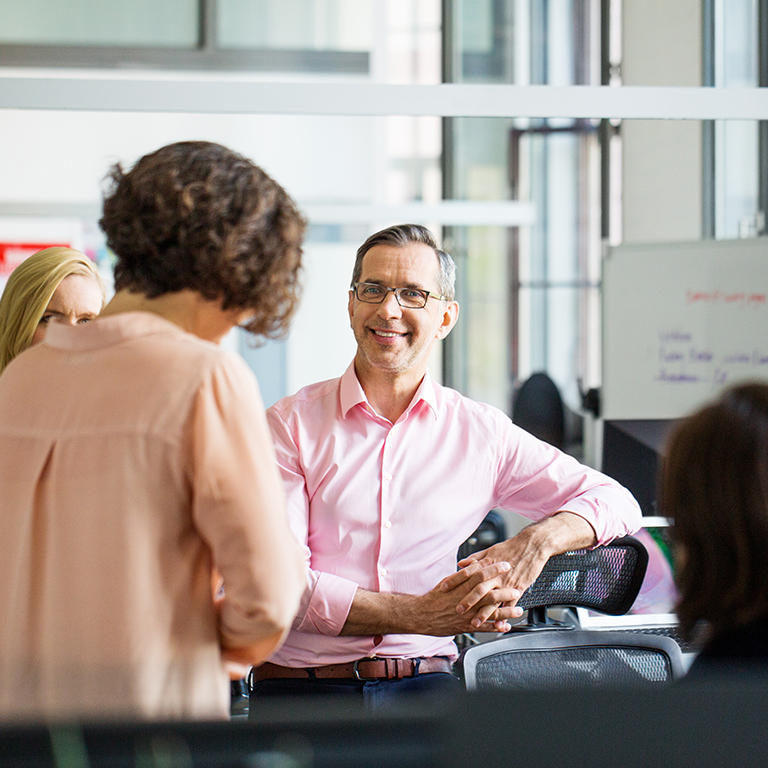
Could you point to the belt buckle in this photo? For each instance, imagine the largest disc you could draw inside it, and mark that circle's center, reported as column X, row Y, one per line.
column 395, row 663
column 356, row 670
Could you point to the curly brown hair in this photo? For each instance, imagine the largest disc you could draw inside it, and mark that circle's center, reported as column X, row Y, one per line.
column 715, row 489
column 196, row 215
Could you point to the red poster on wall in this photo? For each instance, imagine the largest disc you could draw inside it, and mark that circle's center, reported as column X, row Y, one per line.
column 12, row 254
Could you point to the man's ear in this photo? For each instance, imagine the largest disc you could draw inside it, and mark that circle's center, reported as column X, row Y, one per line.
column 449, row 318
column 351, row 305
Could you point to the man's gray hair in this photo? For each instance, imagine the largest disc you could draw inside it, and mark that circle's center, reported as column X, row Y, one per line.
column 400, row 236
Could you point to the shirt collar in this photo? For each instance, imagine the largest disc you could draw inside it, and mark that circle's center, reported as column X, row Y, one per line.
column 427, row 392
column 352, row 394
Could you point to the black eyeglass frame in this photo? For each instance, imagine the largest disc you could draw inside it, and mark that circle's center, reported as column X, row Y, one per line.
column 397, row 291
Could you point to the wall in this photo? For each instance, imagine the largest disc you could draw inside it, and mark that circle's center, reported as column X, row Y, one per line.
column 662, row 160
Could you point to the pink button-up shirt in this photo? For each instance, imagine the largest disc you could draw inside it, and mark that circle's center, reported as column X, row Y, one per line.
column 385, row 506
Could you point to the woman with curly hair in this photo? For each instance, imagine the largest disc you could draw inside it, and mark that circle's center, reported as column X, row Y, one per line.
column 137, row 462
column 52, row 285
column 715, row 490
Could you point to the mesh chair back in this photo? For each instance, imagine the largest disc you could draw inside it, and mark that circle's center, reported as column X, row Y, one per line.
column 571, row 659
column 605, row 579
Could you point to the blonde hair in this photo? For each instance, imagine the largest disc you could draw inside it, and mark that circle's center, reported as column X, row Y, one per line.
column 28, row 291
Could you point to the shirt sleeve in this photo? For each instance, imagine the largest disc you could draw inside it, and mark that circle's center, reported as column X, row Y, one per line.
column 327, row 598
column 239, row 507
column 537, row 480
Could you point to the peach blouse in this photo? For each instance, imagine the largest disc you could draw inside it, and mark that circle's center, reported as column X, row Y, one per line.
column 133, row 456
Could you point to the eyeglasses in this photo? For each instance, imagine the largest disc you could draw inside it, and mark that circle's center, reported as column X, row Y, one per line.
column 409, row 298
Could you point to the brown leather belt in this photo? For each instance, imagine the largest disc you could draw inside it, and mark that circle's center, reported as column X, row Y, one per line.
column 362, row 669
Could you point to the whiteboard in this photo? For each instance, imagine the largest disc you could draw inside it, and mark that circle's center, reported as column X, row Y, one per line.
column 681, row 322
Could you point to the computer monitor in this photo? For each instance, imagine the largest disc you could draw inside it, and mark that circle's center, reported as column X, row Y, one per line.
column 632, row 452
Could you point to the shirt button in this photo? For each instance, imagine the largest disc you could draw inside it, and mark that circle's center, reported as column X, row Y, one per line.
column 383, row 571
column 388, row 524
column 387, row 476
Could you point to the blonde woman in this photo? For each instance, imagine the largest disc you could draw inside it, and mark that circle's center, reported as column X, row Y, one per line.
column 53, row 285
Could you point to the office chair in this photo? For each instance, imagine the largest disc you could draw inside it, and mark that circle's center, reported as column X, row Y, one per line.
column 543, row 653
column 538, row 407
column 491, row 531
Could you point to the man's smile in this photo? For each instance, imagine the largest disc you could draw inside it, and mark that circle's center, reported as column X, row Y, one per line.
column 386, row 334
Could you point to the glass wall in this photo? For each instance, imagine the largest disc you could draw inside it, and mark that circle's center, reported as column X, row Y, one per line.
column 530, row 296
column 735, row 61
column 335, row 25
column 350, row 175
column 530, row 293
column 309, row 36
column 173, row 23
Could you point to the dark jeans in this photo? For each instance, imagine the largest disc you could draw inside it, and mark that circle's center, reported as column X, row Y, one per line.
column 372, row 693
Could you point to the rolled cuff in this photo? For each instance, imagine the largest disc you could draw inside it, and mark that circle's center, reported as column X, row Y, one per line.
column 610, row 509
column 328, row 606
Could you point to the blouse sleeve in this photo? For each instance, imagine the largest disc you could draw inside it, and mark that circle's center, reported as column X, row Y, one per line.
column 239, row 507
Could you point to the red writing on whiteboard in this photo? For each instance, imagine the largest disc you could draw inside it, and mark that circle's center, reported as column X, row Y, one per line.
column 732, row 298
column 693, row 297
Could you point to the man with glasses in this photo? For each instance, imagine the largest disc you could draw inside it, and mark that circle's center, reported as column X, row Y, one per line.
column 387, row 473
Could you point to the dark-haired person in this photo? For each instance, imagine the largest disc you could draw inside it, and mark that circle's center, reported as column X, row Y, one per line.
column 136, row 459
column 387, row 473
column 715, row 490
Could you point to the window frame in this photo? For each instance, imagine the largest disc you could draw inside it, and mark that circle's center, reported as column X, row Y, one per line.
column 206, row 55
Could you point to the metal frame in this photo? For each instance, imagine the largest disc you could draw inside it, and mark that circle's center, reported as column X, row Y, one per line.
column 708, row 199
column 203, row 58
column 129, row 92
column 762, row 21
